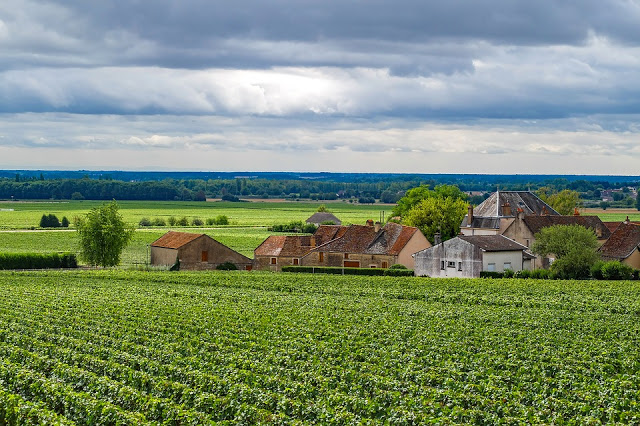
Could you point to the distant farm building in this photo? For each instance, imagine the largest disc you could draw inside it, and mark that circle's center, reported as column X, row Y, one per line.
column 324, row 218
column 195, row 252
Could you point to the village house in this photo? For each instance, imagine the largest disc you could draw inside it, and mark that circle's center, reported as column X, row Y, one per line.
column 465, row 256
column 288, row 250
column 195, row 252
column 524, row 228
column 495, row 214
column 369, row 246
column 623, row 245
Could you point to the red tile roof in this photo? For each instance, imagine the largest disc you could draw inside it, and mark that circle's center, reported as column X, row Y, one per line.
column 622, row 243
column 390, row 240
column 175, row 240
column 284, row 245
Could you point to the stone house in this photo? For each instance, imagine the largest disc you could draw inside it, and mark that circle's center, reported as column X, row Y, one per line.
column 195, row 252
column 467, row 256
column 280, row 250
column 623, row 245
column 369, row 246
column 494, row 215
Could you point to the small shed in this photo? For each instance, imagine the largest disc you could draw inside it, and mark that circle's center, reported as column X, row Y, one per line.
column 323, row 218
column 195, row 252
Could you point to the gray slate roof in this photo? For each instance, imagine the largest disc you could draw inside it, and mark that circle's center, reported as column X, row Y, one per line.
column 321, row 217
column 493, row 242
column 525, row 200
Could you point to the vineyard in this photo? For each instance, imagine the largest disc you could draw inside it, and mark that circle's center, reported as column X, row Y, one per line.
column 122, row 347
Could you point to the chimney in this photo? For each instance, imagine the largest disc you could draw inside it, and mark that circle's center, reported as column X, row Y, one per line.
column 369, row 222
column 626, row 221
column 378, row 225
column 520, row 213
column 470, row 215
column 576, row 212
column 506, row 209
column 437, row 238
column 545, row 212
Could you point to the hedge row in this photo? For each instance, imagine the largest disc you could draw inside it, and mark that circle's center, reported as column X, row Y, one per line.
column 37, row 260
column 349, row 271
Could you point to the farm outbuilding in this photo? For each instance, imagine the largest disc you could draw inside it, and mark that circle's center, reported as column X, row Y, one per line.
column 195, row 252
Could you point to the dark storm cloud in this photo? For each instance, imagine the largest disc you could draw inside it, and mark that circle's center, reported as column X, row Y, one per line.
column 410, row 36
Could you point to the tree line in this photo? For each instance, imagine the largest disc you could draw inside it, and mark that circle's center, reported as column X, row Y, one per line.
column 385, row 191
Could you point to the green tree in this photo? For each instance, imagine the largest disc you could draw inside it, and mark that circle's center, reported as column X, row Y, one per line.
column 322, row 208
column 638, row 202
column 564, row 202
column 416, row 195
column 436, row 214
column 574, row 247
column 103, row 235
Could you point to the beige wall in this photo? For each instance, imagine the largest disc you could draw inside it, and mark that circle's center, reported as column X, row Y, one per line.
column 633, row 260
column 263, row 263
column 500, row 257
column 417, row 242
column 163, row 256
column 190, row 255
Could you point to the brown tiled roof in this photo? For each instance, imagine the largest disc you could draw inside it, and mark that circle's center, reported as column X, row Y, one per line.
column 536, row 223
column 284, row 245
column 612, row 225
column 390, row 240
column 493, row 242
column 175, row 240
column 326, row 233
column 525, row 200
column 622, row 243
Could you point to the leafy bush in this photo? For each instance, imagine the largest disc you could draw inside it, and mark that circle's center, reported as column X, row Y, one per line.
column 349, row 271
column 37, row 260
column 309, row 228
column 398, row 266
column 65, row 222
column 197, row 221
column 294, row 226
column 508, row 273
column 49, row 221
column 221, row 220
column 229, row 197
column 227, row 266
column 183, row 221
column 491, row 274
column 525, row 273
column 613, row 270
column 596, row 270
column 158, row 221
column 172, row 221
column 145, row 221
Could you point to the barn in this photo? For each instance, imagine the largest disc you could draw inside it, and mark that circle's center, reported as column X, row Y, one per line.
column 195, row 252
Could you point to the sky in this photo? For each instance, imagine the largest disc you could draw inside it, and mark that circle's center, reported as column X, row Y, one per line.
column 415, row 86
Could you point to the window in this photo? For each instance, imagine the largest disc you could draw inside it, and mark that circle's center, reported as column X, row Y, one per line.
column 507, row 265
column 274, row 260
column 459, row 266
column 346, row 255
column 527, row 242
column 385, row 264
column 491, row 267
column 321, row 257
column 442, row 264
column 372, row 266
column 296, row 261
column 204, row 256
column 451, row 264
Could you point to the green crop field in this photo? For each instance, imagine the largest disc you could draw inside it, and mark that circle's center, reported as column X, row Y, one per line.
column 122, row 347
column 24, row 215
